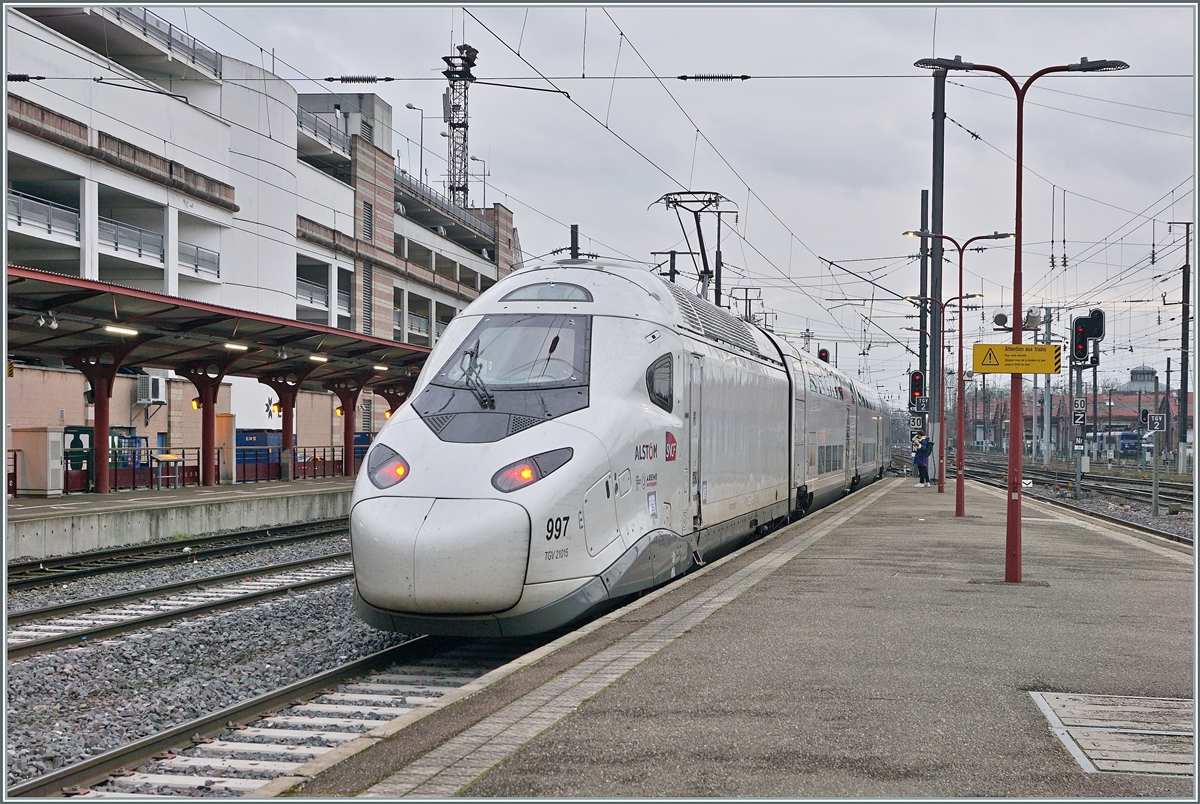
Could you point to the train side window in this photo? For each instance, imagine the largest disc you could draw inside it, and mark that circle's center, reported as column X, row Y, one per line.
column 659, row 382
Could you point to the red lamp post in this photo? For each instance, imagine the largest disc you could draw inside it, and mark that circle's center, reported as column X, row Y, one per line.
column 1012, row 547
column 960, row 495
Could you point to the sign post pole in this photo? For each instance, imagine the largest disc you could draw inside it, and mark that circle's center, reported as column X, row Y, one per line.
column 1158, row 423
column 1079, row 419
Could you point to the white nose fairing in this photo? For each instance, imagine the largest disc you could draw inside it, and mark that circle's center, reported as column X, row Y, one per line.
column 438, row 556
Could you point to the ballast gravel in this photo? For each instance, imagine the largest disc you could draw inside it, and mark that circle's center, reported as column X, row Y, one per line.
column 112, row 583
column 65, row 706
column 1132, row 511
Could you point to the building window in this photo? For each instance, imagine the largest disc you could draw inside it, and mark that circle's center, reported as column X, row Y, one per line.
column 368, row 226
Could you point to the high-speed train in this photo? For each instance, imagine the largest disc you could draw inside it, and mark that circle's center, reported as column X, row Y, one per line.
column 584, row 431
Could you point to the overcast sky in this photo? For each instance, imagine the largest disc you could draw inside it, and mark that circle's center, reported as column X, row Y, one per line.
column 823, row 152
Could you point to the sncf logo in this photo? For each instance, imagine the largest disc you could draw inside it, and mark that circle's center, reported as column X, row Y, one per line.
column 645, row 452
column 672, row 447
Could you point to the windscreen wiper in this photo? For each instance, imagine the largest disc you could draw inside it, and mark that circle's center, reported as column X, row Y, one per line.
column 474, row 381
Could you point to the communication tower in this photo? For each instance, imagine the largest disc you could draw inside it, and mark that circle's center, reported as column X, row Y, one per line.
column 454, row 111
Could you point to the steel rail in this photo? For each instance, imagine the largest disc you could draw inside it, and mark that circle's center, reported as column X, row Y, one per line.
column 98, row 768
column 19, row 649
column 50, row 571
column 87, row 604
column 1093, row 485
column 191, row 541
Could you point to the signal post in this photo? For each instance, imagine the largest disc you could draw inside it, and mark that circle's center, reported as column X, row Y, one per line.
column 1086, row 334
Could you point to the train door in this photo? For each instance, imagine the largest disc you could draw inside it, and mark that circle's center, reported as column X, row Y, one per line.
column 848, row 449
column 799, row 425
column 695, row 392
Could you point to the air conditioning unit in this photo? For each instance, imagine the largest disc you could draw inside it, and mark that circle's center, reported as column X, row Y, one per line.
column 151, row 390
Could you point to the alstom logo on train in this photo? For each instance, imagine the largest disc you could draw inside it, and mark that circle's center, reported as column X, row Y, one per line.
column 645, row 452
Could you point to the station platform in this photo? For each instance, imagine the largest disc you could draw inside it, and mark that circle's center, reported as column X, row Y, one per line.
column 54, row 526
column 869, row 650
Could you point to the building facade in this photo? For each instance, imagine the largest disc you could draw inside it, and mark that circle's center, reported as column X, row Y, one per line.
column 139, row 156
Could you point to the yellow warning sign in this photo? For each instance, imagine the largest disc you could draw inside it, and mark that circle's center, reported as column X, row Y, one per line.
column 1008, row 358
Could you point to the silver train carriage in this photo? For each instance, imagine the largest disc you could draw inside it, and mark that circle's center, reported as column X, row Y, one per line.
column 585, row 431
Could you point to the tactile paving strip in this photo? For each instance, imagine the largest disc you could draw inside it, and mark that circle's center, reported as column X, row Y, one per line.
column 1118, row 734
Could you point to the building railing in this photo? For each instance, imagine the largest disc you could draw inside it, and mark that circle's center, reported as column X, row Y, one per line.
column 200, row 258
column 322, row 130
column 444, row 204
column 122, row 236
column 26, row 210
column 418, row 324
column 179, row 43
column 441, row 327
column 311, row 292
column 397, row 319
column 343, row 301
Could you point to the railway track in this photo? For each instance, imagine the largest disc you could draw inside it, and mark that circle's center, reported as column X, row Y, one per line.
column 1112, row 485
column 48, row 571
column 78, row 622
column 242, row 747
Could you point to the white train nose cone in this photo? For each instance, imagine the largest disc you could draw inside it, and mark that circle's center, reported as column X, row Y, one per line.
column 421, row 555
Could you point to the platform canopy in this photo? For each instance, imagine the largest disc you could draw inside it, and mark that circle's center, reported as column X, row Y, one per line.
column 153, row 330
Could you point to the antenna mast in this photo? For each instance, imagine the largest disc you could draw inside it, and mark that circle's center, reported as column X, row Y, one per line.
column 454, row 111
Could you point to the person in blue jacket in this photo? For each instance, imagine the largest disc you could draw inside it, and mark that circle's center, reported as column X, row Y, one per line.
column 921, row 459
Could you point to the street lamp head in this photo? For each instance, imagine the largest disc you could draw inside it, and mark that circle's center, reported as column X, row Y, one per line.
column 973, row 296
column 1000, row 236
column 911, row 233
column 409, row 106
column 1101, row 66
column 944, row 64
column 476, row 159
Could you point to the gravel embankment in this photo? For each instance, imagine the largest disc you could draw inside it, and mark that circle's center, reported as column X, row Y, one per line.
column 1137, row 513
column 115, row 582
column 65, row 706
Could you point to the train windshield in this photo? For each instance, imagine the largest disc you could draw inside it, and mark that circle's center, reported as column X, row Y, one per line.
column 510, row 352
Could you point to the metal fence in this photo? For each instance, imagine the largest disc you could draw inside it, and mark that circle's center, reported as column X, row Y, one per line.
column 308, row 462
column 180, row 43
column 26, row 210
column 200, row 258
column 132, row 468
column 257, row 464
column 322, row 130
column 122, row 236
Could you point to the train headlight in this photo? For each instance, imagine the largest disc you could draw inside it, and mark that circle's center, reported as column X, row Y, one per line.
column 386, row 468
column 530, row 470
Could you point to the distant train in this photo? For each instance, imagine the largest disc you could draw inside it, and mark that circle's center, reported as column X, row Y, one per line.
column 585, row 431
